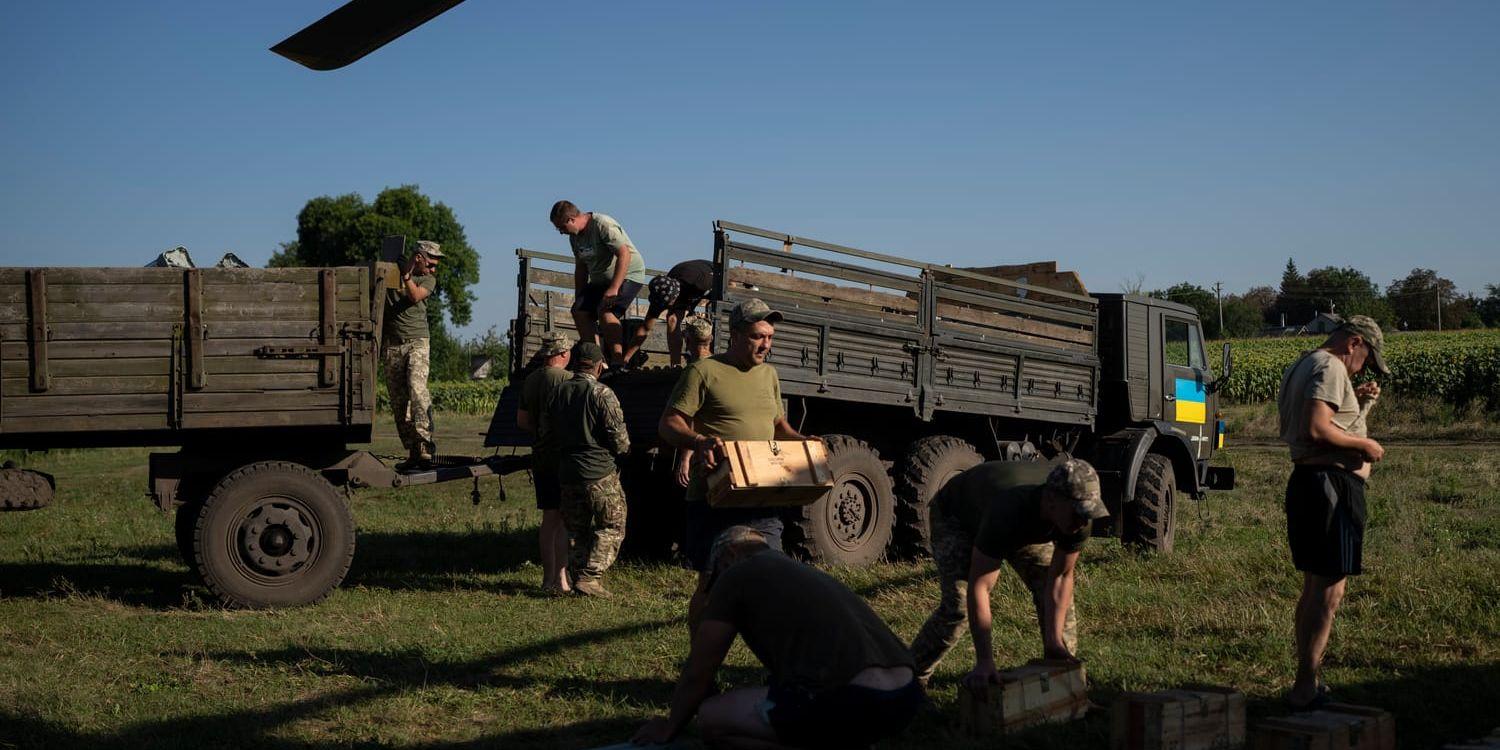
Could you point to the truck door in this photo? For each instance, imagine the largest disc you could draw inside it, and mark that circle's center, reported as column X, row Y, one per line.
column 1185, row 370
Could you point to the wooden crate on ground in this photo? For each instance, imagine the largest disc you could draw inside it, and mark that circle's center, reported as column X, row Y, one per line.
column 1207, row 718
column 1042, row 691
column 1338, row 726
column 757, row 473
column 1492, row 742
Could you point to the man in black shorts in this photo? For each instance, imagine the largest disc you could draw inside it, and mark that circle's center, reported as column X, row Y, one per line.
column 536, row 399
column 608, row 273
column 839, row 677
column 1323, row 422
column 676, row 294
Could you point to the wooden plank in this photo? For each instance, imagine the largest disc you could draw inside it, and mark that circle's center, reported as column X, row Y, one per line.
column 84, row 423
column 257, row 366
column 204, row 402
column 275, row 292
column 90, row 367
column 193, row 334
column 162, row 329
column 36, row 317
column 252, row 419
column 46, row 405
column 173, row 276
column 328, row 295
column 145, row 348
column 823, row 290
column 111, row 383
column 543, row 277
column 1015, row 323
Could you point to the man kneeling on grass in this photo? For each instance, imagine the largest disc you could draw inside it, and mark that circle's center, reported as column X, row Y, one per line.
column 839, row 676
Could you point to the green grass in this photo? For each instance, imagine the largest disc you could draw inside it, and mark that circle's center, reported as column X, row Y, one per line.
column 439, row 639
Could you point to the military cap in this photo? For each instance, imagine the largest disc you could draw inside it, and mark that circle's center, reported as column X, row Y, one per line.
column 555, row 343
column 752, row 311
column 1077, row 481
column 698, row 329
column 1366, row 328
column 430, row 249
column 586, row 354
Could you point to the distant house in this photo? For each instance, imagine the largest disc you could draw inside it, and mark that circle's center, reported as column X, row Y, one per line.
column 480, row 366
column 1324, row 323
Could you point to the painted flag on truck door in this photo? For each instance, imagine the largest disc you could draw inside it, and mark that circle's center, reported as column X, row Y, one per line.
column 1192, row 402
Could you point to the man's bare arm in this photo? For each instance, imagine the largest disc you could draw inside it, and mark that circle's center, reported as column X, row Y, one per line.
column 710, row 645
column 622, row 268
column 983, row 572
column 524, row 421
column 677, row 430
column 1057, row 598
column 785, row 431
column 1321, row 429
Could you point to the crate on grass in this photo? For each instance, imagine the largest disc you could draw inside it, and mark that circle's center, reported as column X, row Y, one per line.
column 1041, row 691
column 1205, row 718
column 1337, row 726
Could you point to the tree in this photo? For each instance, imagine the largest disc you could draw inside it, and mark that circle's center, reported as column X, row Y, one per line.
column 1199, row 299
column 345, row 230
column 1417, row 300
column 1347, row 291
column 1489, row 307
column 1293, row 303
column 1242, row 317
column 1263, row 300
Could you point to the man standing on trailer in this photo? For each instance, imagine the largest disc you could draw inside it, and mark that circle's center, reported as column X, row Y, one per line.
column 536, row 399
column 729, row 396
column 677, row 293
column 590, row 429
column 1323, row 422
column 405, row 352
column 608, row 272
column 1032, row 515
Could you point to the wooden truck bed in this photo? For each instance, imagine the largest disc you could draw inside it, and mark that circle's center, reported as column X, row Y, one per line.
column 168, row 356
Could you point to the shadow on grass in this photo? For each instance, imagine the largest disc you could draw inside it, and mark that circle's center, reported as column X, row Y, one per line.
column 138, row 579
column 441, row 560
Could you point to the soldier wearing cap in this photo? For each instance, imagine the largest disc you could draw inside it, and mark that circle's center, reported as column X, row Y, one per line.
column 1322, row 417
column 405, row 351
column 537, row 394
column 698, row 334
column 1032, row 515
column 730, row 396
column 589, row 425
column 838, row 676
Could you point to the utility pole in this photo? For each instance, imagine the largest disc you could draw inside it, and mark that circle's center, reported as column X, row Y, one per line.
column 1218, row 294
column 1439, row 293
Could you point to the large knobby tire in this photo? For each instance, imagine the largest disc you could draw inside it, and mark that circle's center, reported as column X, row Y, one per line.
column 852, row 524
column 184, row 524
column 930, row 463
column 1149, row 523
column 25, row 489
column 273, row 534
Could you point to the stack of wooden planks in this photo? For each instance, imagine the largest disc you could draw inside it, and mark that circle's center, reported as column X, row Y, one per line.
column 1206, row 718
column 1040, row 692
column 1338, row 726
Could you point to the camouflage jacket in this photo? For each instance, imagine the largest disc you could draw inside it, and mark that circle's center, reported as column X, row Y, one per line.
column 588, row 427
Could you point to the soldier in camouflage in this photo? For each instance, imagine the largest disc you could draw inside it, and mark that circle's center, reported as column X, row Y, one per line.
column 589, row 426
column 405, row 352
column 1033, row 516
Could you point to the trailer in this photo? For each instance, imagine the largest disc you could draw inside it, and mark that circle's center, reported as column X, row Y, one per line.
column 263, row 380
column 913, row 371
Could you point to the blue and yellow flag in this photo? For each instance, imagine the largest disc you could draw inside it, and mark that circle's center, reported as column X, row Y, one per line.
column 1192, row 402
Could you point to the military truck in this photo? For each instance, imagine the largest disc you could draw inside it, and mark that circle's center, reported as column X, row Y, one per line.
column 262, row 379
column 913, row 371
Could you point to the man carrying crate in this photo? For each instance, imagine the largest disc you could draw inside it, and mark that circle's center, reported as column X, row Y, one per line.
column 405, row 352
column 729, row 396
column 1031, row 515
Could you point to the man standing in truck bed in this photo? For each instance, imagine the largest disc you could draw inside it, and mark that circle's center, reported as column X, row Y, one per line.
column 608, row 272
column 405, row 352
column 590, row 428
column 1323, row 422
column 729, row 396
column 1032, row 515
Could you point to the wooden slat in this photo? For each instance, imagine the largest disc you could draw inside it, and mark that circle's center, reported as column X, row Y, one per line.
column 1015, row 324
column 44, row 405
column 36, row 318
column 256, row 366
column 823, row 290
column 277, row 292
column 110, row 383
column 213, row 312
column 145, row 348
column 194, row 403
column 173, row 276
column 76, row 331
column 85, row 422
column 89, row 367
column 253, row 419
column 544, row 277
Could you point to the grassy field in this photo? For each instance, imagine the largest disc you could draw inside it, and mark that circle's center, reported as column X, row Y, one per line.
column 439, row 638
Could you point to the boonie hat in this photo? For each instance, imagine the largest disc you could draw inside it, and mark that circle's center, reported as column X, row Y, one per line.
column 698, row 329
column 753, row 311
column 586, row 354
column 429, row 248
column 555, row 343
column 1076, row 480
column 1366, row 328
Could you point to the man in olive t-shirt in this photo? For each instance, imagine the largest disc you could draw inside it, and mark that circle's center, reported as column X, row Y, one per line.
column 608, row 273
column 1032, row 515
column 729, row 396
column 536, row 399
column 405, row 351
column 839, row 676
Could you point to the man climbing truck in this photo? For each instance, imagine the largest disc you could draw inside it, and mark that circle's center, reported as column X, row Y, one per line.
column 913, row 372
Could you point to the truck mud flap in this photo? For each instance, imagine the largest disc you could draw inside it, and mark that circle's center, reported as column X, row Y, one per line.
column 1219, row 478
column 25, row 489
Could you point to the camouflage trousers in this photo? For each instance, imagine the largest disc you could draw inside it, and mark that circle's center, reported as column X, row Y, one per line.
column 594, row 515
column 406, row 383
column 951, row 547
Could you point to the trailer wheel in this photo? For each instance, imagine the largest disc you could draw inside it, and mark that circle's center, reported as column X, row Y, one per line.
column 184, row 524
column 273, row 534
column 930, row 463
column 852, row 524
column 25, row 489
column 1149, row 524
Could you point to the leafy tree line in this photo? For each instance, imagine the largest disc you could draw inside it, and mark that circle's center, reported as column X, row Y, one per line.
column 346, row 230
column 1414, row 302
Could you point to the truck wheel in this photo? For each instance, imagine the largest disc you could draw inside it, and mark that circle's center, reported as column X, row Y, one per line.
column 184, row 523
column 1148, row 521
column 852, row 524
column 930, row 463
column 273, row 534
column 24, row 489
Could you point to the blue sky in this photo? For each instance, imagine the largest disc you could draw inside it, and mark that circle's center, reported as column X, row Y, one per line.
column 1183, row 141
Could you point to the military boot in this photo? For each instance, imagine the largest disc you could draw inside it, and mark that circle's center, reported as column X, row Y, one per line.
column 591, row 587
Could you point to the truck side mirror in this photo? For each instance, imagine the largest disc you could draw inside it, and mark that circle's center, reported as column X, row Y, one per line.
column 1225, row 365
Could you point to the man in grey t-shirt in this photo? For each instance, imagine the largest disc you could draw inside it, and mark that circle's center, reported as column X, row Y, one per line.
column 1323, row 422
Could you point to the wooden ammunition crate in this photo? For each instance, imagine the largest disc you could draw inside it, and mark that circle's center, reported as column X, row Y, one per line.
column 756, row 473
column 1338, row 726
column 1207, row 718
column 1040, row 692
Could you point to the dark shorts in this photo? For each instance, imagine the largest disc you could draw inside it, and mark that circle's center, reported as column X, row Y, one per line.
column 1325, row 520
column 845, row 717
column 705, row 523
column 548, row 488
column 593, row 294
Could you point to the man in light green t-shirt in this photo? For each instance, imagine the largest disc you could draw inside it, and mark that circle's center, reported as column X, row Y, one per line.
column 608, row 273
column 729, row 396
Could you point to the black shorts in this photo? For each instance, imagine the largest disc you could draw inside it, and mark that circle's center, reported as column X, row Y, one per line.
column 1325, row 520
column 705, row 523
column 548, row 488
column 844, row 717
column 593, row 294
